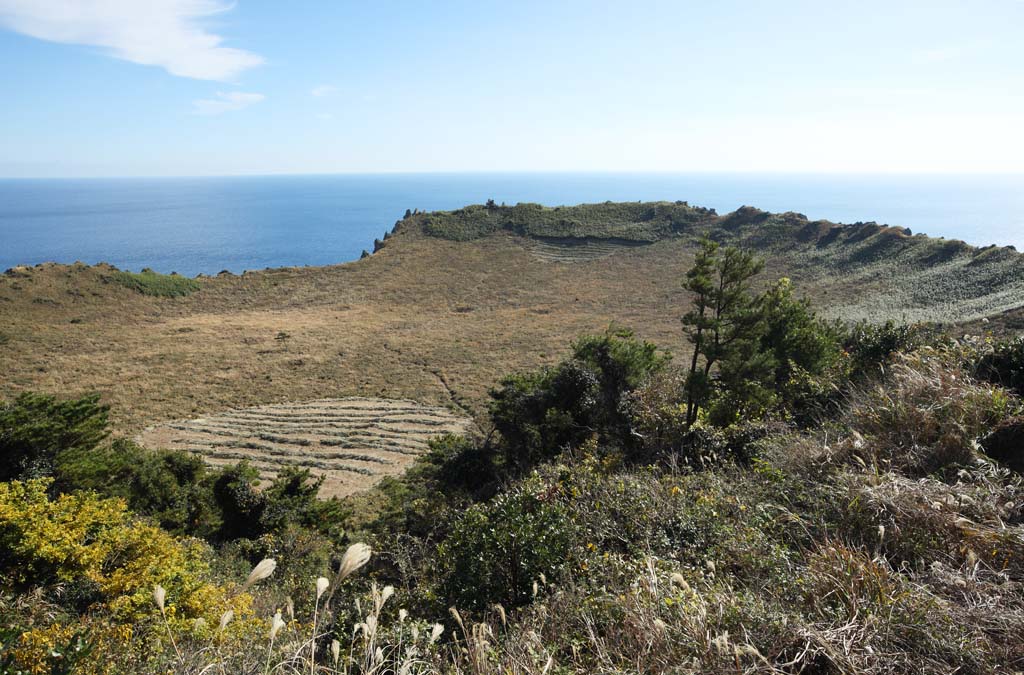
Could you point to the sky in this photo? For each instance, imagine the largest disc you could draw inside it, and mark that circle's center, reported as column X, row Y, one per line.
column 201, row 87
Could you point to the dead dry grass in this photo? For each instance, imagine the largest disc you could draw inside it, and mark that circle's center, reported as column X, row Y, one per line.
column 352, row 442
column 425, row 319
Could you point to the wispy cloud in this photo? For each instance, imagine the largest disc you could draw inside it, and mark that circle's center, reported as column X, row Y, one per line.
column 225, row 102
column 164, row 33
column 323, row 90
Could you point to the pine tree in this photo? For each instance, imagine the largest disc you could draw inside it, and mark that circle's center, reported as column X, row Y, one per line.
column 699, row 322
column 725, row 327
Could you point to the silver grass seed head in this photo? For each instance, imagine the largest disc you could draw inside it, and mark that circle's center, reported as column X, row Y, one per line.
column 276, row 624
column 159, row 596
column 263, row 569
column 355, row 557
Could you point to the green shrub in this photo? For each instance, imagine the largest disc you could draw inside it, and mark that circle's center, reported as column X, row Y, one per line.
column 149, row 282
column 498, row 550
column 1004, row 365
column 455, row 471
column 248, row 512
column 539, row 414
column 35, row 428
column 871, row 346
column 172, row 487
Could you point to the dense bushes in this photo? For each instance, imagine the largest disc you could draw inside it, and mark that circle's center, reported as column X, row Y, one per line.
column 1004, row 365
column 871, row 346
column 172, row 487
column 35, row 428
column 542, row 413
column 497, row 551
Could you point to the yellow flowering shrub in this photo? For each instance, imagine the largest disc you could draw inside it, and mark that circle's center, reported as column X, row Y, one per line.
column 83, row 537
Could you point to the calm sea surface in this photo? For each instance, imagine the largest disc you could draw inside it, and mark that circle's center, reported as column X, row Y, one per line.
column 193, row 225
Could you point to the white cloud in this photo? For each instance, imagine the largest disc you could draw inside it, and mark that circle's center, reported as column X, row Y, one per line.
column 323, row 90
column 164, row 33
column 226, row 102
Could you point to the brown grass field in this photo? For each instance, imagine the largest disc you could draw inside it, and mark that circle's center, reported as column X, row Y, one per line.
column 427, row 319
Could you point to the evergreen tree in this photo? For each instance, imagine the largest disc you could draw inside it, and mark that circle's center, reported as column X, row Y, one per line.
column 725, row 327
column 699, row 321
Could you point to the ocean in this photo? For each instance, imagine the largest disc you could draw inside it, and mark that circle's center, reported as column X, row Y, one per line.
column 205, row 225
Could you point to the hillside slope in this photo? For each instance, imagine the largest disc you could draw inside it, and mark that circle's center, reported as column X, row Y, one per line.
column 452, row 301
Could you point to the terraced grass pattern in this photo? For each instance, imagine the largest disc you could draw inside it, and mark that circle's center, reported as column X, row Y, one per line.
column 352, row 442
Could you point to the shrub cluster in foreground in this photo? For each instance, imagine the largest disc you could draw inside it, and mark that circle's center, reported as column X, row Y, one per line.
column 855, row 520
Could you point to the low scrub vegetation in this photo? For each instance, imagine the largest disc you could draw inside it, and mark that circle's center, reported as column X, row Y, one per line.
column 149, row 282
column 631, row 221
column 803, row 496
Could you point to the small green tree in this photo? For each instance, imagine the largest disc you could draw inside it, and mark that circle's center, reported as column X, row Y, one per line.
column 699, row 322
column 725, row 328
column 795, row 336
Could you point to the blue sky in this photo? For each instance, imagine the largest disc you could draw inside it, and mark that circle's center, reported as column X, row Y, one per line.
column 193, row 87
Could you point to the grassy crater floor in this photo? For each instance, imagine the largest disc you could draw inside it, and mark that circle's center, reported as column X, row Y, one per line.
column 451, row 302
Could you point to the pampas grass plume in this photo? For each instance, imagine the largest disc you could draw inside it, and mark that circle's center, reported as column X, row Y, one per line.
column 276, row 624
column 263, row 569
column 226, row 618
column 321, row 586
column 159, row 596
column 355, row 557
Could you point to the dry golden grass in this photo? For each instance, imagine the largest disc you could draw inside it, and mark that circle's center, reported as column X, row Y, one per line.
column 425, row 319
column 352, row 442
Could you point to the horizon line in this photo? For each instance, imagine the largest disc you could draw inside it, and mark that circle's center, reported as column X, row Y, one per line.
column 508, row 172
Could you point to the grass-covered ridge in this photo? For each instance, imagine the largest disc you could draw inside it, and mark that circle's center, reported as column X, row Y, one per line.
column 889, row 272
column 628, row 221
column 152, row 283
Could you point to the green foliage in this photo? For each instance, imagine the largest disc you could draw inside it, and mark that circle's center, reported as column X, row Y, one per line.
column 871, row 346
column 1004, row 365
column 795, row 336
column 172, row 487
column 291, row 499
column 725, row 328
column 149, row 282
column 35, row 428
column 630, row 221
column 498, row 550
column 806, row 351
column 539, row 414
column 455, row 471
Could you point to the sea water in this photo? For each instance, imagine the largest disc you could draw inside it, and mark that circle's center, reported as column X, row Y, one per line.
column 205, row 225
